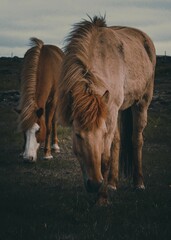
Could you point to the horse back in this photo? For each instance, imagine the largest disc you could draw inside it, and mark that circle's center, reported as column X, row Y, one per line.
column 135, row 39
column 137, row 58
column 50, row 57
column 49, row 68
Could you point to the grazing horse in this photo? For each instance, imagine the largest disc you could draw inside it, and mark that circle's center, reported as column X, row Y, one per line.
column 38, row 100
column 105, row 88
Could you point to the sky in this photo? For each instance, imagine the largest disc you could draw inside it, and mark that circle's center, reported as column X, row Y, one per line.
column 52, row 20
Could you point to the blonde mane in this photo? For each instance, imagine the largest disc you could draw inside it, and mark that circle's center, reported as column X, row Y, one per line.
column 28, row 103
column 76, row 92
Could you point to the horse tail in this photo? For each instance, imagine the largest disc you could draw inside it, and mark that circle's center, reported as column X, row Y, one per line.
column 29, row 73
column 126, row 149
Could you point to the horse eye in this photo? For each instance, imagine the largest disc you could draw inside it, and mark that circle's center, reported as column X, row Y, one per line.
column 79, row 136
column 38, row 131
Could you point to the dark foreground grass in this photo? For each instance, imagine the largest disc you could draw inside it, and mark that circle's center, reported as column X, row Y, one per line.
column 47, row 200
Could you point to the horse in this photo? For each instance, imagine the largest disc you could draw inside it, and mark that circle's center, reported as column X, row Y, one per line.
column 105, row 88
column 38, row 98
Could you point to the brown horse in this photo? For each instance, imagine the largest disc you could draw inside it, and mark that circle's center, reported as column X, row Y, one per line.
column 106, row 80
column 38, row 101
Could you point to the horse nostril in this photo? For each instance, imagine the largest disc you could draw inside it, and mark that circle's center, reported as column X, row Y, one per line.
column 29, row 159
column 93, row 186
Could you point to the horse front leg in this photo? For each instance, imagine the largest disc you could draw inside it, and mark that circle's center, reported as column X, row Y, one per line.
column 103, row 197
column 114, row 162
column 109, row 162
column 103, row 194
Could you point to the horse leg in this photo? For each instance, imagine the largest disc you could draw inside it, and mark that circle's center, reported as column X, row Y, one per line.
column 55, row 140
column 102, row 194
column 114, row 162
column 139, row 123
column 139, row 111
column 107, row 157
column 49, row 117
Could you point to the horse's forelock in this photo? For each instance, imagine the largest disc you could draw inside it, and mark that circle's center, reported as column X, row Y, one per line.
column 88, row 108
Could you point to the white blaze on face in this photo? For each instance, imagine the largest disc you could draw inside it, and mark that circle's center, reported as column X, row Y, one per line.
column 32, row 145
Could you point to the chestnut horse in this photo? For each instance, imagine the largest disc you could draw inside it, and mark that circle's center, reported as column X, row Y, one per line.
column 38, row 100
column 106, row 80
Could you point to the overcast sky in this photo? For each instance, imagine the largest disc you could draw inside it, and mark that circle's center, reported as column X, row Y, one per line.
column 52, row 20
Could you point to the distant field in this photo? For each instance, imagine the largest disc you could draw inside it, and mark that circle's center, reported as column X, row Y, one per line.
column 10, row 69
column 47, row 200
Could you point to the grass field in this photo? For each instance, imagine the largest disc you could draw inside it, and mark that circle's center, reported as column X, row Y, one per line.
column 47, row 200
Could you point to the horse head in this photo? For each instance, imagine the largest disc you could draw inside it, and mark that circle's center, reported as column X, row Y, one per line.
column 88, row 146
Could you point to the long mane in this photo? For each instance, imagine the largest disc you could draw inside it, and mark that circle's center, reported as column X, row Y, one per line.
column 76, row 92
column 27, row 103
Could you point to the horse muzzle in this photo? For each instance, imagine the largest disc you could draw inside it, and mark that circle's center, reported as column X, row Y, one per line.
column 29, row 158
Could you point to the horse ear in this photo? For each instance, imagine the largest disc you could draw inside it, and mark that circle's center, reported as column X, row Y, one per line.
column 70, row 96
column 39, row 112
column 105, row 97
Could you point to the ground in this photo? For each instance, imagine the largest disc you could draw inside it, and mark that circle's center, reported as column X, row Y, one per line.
column 47, row 200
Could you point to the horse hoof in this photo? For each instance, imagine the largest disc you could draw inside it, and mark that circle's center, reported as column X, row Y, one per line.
column 25, row 160
column 112, row 188
column 48, row 157
column 56, row 148
column 102, row 202
column 140, row 187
